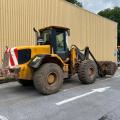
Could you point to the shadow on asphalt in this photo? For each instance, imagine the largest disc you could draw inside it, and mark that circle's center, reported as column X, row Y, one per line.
column 20, row 90
column 17, row 89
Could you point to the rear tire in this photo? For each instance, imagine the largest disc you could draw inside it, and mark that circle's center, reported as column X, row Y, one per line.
column 26, row 82
column 48, row 79
column 107, row 68
column 87, row 72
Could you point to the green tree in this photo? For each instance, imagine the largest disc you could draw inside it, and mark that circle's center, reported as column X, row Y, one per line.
column 75, row 2
column 113, row 14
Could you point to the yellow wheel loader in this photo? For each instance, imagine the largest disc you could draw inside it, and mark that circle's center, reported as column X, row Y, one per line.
column 47, row 63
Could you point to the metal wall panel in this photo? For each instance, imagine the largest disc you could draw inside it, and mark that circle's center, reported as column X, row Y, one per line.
column 18, row 17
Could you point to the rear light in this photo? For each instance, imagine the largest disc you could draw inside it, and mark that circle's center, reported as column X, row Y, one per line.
column 6, row 60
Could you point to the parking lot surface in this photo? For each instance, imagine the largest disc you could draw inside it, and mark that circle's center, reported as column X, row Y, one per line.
column 98, row 101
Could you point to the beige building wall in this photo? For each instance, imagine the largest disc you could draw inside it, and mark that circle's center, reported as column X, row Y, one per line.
column 18, row 17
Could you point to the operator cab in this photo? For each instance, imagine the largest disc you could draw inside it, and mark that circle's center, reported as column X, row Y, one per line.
column 56, row 37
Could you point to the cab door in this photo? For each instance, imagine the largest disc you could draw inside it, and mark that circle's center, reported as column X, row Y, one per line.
column 61, row 46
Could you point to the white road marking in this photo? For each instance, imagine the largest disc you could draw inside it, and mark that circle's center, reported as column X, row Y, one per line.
column 116, row 76
column 113, row 77
column 3, row 118
column 99, row 90
column 70, row 88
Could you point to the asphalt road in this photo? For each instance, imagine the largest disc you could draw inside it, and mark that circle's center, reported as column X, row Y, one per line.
column 73, row 102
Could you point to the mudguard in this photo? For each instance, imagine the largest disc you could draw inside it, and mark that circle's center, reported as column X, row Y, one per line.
column 37, row 60
column 40, row 59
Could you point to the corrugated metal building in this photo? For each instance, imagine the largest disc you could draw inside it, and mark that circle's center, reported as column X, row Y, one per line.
column 18, row 17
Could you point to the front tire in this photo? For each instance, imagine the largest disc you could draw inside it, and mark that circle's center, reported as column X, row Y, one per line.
column 48, row 79
column 87, row 72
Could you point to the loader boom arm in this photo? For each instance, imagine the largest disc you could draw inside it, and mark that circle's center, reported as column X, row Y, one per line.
column 104, row 67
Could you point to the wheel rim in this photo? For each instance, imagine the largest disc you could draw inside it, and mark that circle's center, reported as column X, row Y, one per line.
column 91, row 72
column 52, row 77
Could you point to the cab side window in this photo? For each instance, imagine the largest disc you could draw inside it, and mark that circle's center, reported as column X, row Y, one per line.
column 60, row 41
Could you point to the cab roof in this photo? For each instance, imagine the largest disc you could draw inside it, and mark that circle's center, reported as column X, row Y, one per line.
column 54, row 27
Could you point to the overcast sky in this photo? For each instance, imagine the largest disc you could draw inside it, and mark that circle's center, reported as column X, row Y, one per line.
column 98, row 5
